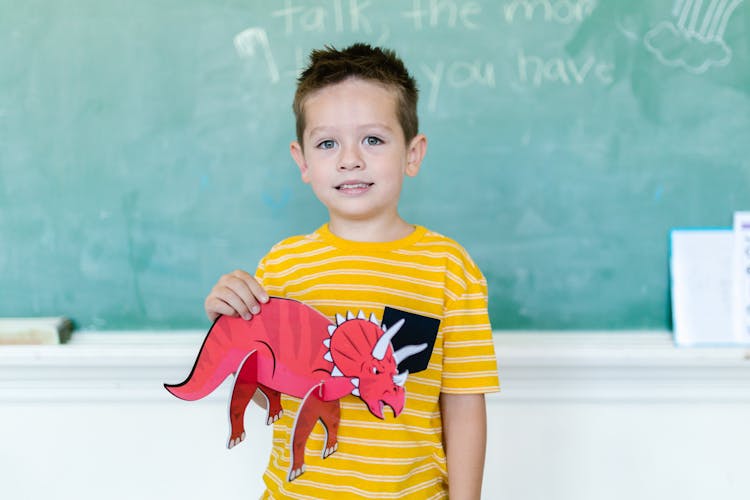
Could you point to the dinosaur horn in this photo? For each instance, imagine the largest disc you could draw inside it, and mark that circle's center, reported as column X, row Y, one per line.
column 408, row 350
column 400, row 379
column 378, row 352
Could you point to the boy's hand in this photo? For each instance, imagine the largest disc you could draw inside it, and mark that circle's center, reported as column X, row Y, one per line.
column 235, row 294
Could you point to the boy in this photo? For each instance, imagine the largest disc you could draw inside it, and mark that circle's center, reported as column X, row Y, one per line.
column 357, row 137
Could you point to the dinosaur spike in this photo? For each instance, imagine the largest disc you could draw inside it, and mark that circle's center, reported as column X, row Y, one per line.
column 373, row 319
column 408, row 350
column 400, row 379
column 339, row 319
column 327, row 356
column 361, row 315
column 327, row 343
column 336, row 372
column 349, row 315
column 355, row 381
column 331, row 329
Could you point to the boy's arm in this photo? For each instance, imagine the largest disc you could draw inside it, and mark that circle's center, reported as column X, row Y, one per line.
column 465, row 440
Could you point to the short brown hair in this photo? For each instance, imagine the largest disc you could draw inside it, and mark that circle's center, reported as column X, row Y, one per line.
column 330, row 66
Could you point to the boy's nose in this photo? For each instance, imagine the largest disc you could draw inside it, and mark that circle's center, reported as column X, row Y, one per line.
column 350, row 165
column 350, row 159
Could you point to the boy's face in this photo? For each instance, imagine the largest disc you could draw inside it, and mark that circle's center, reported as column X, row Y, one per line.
column 354, row 155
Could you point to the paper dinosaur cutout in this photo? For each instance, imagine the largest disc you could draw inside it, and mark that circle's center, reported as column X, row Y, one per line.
column 293, row 349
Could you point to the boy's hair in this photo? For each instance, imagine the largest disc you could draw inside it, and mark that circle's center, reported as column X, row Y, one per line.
column 383, row 66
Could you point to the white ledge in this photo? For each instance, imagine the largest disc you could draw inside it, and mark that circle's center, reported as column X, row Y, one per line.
column 592, row 367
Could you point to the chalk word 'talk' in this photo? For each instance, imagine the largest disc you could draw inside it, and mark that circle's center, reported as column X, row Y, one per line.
column 552, row 11
column 457, row 74
column 323, row 18
column 536, row 71
column 446, row 13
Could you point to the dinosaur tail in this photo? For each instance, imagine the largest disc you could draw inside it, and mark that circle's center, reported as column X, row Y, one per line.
column 219, row 356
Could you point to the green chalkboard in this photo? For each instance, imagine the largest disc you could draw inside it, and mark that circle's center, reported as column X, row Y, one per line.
column 144, row 146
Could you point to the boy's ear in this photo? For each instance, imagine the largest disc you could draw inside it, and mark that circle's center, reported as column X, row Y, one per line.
column 295, row 148
column 415, row 154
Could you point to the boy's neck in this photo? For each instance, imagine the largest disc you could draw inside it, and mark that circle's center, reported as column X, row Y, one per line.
column 371, row 231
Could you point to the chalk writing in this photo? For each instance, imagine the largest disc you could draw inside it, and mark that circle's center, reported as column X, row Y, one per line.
column 694, row 39
column 556, row 11
column 447, row 13
column 246, row 42
column 463, row 70
column 457, row 74
column 536, row 71
column 321, row 18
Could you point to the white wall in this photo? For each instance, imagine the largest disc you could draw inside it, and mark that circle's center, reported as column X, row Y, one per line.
column 593, row 416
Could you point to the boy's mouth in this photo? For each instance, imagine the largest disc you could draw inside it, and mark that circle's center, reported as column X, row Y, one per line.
column 354, row 186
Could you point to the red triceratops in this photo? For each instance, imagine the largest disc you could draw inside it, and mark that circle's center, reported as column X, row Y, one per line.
column 291, row 348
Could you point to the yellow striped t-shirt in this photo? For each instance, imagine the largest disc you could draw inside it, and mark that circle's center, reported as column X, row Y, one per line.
column 426, row 274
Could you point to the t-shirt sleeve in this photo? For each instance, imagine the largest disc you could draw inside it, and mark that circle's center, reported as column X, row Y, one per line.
column 260, row 271
column 469, row 361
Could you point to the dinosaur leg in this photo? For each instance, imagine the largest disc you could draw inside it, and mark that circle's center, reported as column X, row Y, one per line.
column 311, row 410
column 307, row 416
column 330, row 416
column 274, row 404
column 245, row 384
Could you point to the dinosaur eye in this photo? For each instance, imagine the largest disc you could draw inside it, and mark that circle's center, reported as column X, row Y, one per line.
column 375, row 370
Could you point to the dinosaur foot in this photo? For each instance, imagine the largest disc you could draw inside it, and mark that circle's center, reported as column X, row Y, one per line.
column 295, row 473
column 273, row 418
column 327, row 452
column 235, row 441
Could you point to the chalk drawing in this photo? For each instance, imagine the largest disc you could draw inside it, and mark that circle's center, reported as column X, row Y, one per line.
column 246, row 43
column 694, row 38
column 629, row 33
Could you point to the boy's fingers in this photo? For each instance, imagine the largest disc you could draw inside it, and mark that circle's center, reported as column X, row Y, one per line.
column 215, row 306
column 236, row 294
column 225, row 300
column 257, row 290
column 246, row 286
column 241, row 301
column 252, row 284
column 228, row 306
column 238, row 289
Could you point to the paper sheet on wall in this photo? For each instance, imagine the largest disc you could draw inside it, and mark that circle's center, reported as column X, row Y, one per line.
column 741, row 276
column 701, row 274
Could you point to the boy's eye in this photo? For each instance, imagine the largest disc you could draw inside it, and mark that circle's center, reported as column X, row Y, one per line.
column 327, row 144
column 372, row 141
